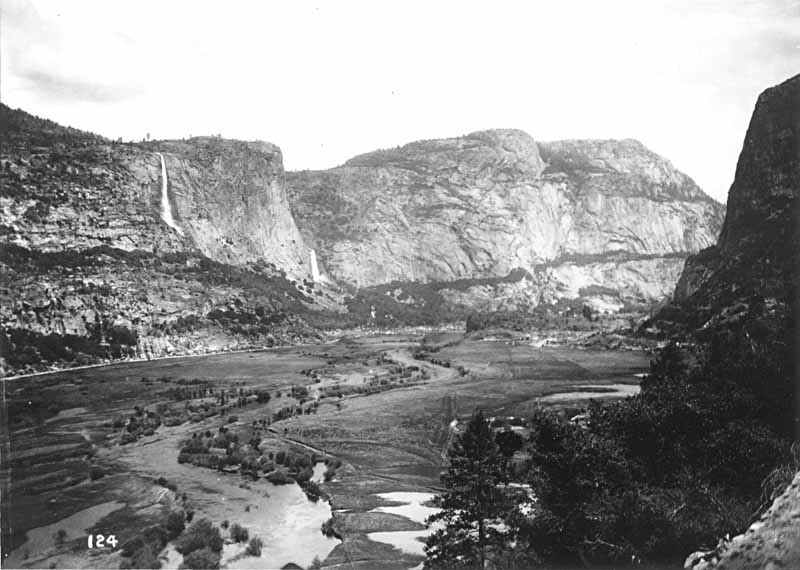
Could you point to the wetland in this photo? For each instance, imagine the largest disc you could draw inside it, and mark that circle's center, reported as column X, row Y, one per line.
column 329, row 454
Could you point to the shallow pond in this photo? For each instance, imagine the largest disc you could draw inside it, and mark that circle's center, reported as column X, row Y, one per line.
column 319, row 472
column 608, row 391
column 287, row 523
column 413, row 508
column 41, row 539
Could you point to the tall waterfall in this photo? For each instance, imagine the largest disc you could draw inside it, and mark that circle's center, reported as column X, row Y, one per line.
column 166, row 208
column 314, row 267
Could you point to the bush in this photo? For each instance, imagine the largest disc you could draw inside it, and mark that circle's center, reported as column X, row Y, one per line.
column 304, row 475
column 96, row 472
column 146, row 557
column 330, row 470
column 175, row 524
column 203, row 558
column 328, row 530
column 165, row 483
column 312, row 490
column 127, row 437
column 132, row 546
column 254, row 547
column 239, row 533
column 59, row 537
column 143, row 550
column 280, row 477
column 201, row 534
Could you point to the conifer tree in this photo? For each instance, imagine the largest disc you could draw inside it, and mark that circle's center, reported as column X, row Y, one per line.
column 473, row 504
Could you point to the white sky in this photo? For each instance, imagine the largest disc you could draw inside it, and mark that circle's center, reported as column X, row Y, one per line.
column 327, row 80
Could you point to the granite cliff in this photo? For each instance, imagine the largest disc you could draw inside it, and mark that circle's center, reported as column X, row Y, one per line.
column 91, row 270
column 755, row 262
column 63, row 189
column 105, row 244
column 748, row 281
column 606, row 221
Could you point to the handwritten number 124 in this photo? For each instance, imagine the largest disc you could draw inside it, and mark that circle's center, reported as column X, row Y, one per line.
column 100, row 541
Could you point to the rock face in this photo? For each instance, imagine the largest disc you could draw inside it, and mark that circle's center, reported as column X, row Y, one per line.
column 758, row 253
column 749, row 278
column 230, row 197
column 90, row 269
column 490, row 202
column 69, row 190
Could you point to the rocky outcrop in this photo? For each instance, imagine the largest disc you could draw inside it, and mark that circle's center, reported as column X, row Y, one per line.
column 490, row 202
column 771, row 543
column 758, row 253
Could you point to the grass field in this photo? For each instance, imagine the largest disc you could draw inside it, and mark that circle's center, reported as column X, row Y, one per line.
column 379, row 409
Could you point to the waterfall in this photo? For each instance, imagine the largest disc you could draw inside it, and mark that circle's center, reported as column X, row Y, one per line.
column 314, row 268
column 166, row 208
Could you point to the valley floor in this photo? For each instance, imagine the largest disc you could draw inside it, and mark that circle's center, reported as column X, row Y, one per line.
column 388, row 441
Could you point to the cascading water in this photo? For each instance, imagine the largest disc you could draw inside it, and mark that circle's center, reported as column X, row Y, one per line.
column 166, row 208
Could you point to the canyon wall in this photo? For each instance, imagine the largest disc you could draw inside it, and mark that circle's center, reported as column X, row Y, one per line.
column 490, row 202
column 756, row 260
column 90, row 269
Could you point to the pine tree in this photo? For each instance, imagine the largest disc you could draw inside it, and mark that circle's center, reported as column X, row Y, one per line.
column 474, row 503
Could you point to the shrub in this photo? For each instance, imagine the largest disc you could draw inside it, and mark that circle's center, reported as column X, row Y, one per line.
column 165, row 483
column 156, row 536
column 132, row 546
column 328, row 529
column 304, row 475
column 127, row 437
column 239, row 533
column 200, row 534
column 146, row 557
column 312, row 490
column 254, row 547
column 280, row 477
column 330, row 470
column 96, row 472
column 175, row 524
column 203, row 558
column 59, row 537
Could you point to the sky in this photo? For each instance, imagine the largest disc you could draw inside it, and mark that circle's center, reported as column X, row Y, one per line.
column 327, row 80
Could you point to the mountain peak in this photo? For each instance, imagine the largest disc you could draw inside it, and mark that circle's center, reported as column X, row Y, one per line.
column 475, row 152
column 657, row 177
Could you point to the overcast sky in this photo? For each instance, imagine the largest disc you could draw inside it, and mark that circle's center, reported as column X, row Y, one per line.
column 328, row 80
